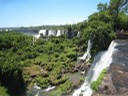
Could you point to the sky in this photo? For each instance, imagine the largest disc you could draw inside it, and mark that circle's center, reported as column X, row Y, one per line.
column 19, row 13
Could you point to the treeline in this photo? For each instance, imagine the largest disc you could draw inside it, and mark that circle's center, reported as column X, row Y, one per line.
column 47, row 27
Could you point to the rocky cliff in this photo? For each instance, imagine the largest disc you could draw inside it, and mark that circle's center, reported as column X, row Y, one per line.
column 115, row 82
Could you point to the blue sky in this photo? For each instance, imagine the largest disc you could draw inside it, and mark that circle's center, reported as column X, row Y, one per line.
column 15, row 13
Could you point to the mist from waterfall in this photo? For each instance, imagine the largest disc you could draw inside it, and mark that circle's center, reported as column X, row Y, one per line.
column 101, row 61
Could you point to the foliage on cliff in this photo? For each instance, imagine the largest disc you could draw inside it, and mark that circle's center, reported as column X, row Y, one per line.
column 102, row 26
column 95, row 84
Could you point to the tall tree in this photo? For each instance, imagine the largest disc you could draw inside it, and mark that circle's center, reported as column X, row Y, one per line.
column 116, row 6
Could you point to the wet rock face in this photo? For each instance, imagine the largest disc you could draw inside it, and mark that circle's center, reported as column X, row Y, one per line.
column 115, row 81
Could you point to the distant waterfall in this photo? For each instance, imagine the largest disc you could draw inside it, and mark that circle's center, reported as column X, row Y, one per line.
column 41, row 32
column 58, row 33
column 101, row 61
column 78, row 34
column 87, row 55
column 49, row 33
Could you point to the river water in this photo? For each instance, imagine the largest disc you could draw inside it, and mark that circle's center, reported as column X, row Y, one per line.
column 101, row 61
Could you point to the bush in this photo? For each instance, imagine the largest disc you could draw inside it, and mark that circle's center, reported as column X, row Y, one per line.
column 3, row 91
column 42, row 82
column 57, row 92
column 66, row 86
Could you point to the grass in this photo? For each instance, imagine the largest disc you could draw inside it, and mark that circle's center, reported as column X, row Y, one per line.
column 95, row 84
column 57, row 92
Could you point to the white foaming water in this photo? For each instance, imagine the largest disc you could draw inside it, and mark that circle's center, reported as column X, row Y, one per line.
column 41, row 32
column 87, row 55
column 50, row 88
column 40, row 90
column 51, row 33
column 101, row 61
column 36, row 87
column 78, row 34
column 58, row 33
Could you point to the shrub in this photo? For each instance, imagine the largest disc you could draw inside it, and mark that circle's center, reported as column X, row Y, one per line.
column 66, row 86
column 95, row 84
column 42, row 82
column 57, row 92
column 3, row 91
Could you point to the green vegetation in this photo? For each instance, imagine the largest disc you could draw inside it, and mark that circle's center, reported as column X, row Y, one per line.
column 56, row 93
column 3, row 91
column 25, row 63
column 101, row 27
column 95, row 84
column 82, row 79
column 22, row 63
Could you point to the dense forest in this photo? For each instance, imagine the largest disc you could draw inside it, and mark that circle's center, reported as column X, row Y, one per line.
column 24, row 61
column 21, row 60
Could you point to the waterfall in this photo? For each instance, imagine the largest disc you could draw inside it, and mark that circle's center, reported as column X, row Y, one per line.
column 51, row 32
column 87, row 55
column 49, row 88
column 58, row 33
column 41, row 32
column 101, row 61
column 78, row 34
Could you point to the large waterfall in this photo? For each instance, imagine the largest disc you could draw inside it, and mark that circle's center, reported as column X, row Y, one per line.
column 101, row 61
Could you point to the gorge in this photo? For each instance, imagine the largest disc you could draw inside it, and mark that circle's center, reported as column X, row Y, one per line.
column 41, row 67
column 88, row 58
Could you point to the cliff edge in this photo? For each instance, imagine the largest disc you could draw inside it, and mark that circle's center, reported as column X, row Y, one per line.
column 115, row 82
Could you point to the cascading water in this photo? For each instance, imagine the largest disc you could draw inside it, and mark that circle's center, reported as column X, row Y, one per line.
column 39, row 90
column 41, row 32
column 78, row 34
column 51, row 33
column 101, row 61
column 58, row 33
column 87, row 55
